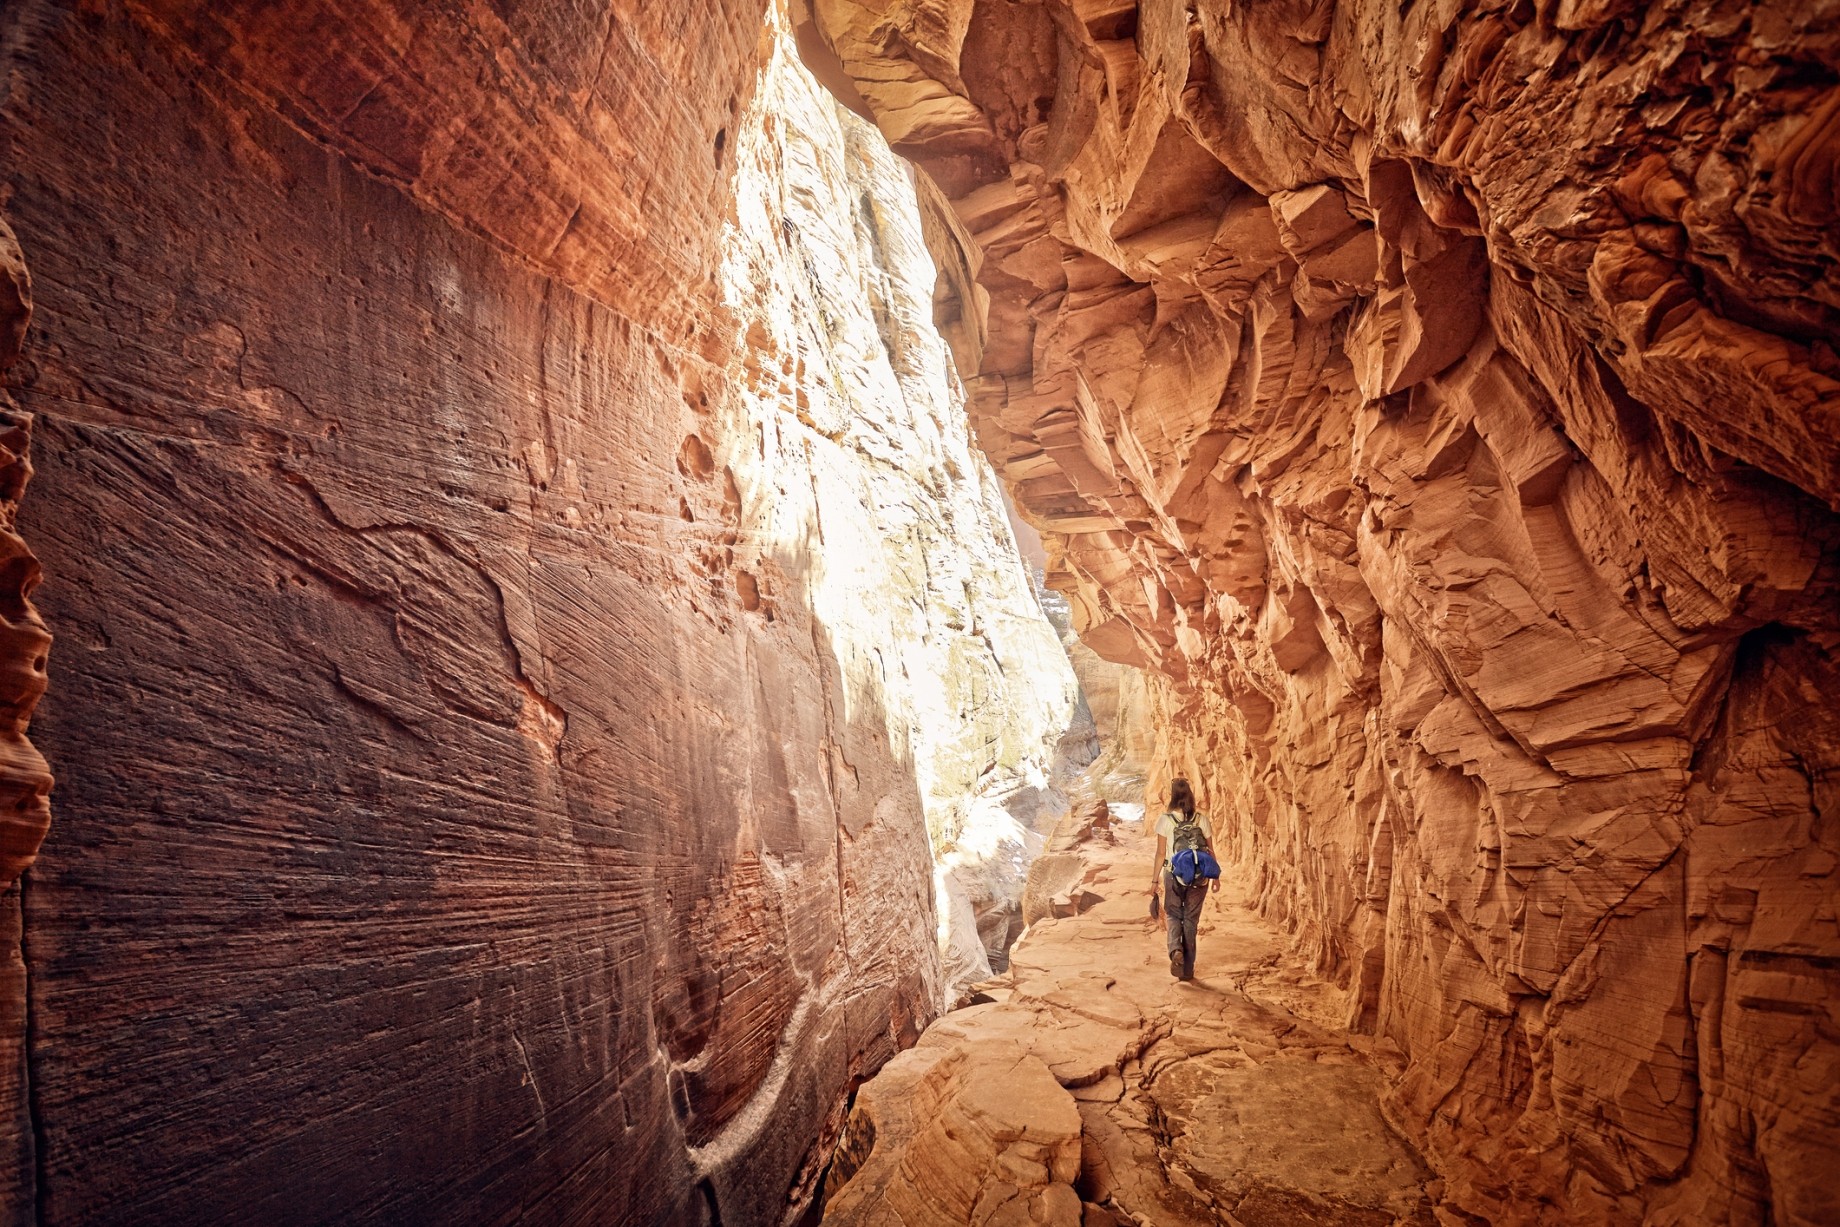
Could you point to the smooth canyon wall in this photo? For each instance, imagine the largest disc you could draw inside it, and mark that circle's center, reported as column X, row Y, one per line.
column 503, row 509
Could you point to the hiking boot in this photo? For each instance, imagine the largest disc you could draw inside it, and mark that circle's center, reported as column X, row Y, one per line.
column 1177, row 965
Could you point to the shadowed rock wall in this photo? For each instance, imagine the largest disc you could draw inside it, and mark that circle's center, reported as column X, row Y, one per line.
column 1441, row 401
column 485, row 782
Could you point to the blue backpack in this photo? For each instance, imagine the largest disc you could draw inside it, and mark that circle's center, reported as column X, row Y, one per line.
column 1191, row 858
column 1191, row 861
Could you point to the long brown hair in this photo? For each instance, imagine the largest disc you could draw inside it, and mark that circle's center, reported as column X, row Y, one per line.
column 1182, row 797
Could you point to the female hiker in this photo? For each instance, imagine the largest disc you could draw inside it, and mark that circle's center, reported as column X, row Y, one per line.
column 1180, row 830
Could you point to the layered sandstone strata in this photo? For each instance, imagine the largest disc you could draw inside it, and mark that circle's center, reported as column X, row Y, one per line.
column 506, row 517
column 1441, row 401
column 25, row 780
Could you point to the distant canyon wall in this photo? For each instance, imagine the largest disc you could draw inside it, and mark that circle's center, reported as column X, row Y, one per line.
column 1441, row 403
column 503, row 511
column 908, row 554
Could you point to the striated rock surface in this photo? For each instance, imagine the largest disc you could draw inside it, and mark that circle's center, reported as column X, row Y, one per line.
column 959, row 1133
column 524, row 588
column 1441, row 403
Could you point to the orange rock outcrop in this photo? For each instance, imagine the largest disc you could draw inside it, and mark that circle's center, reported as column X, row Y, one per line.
column 1442, row 403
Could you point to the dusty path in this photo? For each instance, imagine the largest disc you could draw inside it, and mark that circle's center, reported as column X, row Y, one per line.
column 1097, row 1089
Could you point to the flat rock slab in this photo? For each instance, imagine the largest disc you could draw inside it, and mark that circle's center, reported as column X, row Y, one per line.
column 1294, row 1134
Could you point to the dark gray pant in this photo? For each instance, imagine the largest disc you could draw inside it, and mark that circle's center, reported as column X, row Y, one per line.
column 1182, row 910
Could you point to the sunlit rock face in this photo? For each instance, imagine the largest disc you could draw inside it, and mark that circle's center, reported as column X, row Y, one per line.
column 493, row 606
column 1122, row 701
column 1116, row 697
column 1441, row 402
column 872, row 493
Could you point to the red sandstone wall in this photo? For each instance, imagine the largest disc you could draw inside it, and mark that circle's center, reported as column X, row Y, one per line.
column 440, row 835
column 1443, row 402
column 25, row 779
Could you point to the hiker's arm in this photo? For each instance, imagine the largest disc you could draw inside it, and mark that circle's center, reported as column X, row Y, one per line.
column 1156, row 868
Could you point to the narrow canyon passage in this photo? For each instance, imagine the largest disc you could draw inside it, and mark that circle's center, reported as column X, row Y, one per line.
column 575, row 575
